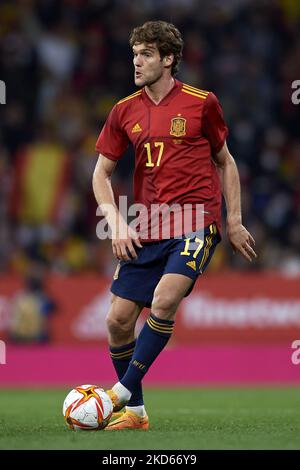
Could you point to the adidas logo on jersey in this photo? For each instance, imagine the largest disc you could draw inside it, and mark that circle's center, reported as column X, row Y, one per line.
column 136, row 128
column 191, row 264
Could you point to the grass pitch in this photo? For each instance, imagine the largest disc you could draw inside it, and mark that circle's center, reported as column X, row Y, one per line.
column 179, row 419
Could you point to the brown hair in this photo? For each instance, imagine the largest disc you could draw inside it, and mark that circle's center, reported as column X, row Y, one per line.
column 166, row 37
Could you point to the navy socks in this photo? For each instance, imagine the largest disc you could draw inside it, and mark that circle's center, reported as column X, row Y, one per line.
column 151, row 341
column 121, row 358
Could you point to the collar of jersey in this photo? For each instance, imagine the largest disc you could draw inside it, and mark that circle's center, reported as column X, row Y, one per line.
column 166, row 100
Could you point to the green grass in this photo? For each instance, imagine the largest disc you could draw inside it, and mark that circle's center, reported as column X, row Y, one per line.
column 179, row 419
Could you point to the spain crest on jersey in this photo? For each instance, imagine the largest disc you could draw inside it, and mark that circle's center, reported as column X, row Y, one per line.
column 178, row 126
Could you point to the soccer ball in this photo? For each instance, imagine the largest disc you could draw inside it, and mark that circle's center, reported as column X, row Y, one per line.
column 87, row 407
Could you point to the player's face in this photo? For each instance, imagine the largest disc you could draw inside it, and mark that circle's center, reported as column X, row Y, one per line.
column 148, row 65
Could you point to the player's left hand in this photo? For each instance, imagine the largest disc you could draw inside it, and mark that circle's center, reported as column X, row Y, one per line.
column 241, row 240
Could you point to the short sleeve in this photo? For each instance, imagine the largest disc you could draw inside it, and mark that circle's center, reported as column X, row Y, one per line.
column 213, row 124
column 112, row 141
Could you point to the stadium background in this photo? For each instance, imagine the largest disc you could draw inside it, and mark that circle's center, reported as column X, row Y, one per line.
column 65, row 63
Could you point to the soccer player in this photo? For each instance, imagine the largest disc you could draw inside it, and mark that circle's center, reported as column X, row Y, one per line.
column 181, row 157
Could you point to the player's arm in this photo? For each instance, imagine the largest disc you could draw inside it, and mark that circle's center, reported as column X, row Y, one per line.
column 241, row 240
column 123, row 236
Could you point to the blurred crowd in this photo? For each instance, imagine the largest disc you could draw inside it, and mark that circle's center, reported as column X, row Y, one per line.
column 65, row 64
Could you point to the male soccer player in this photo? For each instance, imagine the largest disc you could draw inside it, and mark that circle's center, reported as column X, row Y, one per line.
column 181, row 157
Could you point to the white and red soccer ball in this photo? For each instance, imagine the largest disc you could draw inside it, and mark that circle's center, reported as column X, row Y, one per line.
column 87, row 407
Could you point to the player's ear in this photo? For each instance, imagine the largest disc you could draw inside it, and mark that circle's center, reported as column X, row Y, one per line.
column 168, row 60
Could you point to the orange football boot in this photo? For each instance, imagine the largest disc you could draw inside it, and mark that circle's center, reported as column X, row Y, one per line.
column 128, row 420
column 116, row 415
column 117, row 404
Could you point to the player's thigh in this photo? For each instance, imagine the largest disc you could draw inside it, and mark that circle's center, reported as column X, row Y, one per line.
column 168, row 294
column 123, row 311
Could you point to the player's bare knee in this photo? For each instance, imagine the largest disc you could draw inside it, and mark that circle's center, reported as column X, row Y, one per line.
column 118, row 324
column 164, row 305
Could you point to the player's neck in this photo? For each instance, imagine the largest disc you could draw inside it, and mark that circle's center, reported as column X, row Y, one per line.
column 158, row 90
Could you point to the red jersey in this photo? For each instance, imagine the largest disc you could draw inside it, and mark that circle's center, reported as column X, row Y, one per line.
column 174, row 142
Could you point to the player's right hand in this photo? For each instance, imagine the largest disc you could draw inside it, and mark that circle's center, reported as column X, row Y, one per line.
column 123, row 243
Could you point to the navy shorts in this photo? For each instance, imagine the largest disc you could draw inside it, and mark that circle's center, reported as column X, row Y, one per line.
column 137, row 279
